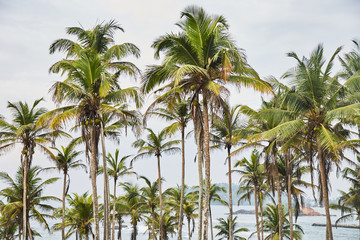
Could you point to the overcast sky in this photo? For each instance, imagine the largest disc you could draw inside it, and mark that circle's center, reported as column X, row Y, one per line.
column 265, row 29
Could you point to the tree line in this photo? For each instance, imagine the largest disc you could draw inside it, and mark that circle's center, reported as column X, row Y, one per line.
column 309, row 126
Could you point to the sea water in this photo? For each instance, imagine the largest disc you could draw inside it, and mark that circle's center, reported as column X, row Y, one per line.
column 243, row 220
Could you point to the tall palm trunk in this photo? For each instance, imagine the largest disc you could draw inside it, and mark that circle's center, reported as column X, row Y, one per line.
column 288, row 170
column 114, row 211
column 161, row 202
column 120, row 227
column 181, row 213
column 189, row 231
column 93, row 172
column 211, row 224
column 256, row 211
column 261, row 217
column 231, row 231
column 25, row 177
column 278, row 189
column 329, row 235
column 153, row 223
column 63, row 208
column 207, row 167
column 107, row 230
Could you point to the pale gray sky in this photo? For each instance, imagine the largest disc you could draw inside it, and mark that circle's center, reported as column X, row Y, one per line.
column 265, row 29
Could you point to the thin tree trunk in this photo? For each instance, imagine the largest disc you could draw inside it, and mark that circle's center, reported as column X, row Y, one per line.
column 329, row 235
column 114, row 211
column 211, row 224
column 261, row 217
column 25, row 177
column 29, row 230
column 181, row 213
column 63, row 209
column 19, row 232
column 161, row 203
column 93, row 172
column 256, row 211
column 231, row 231
column 153, row 223
column 200, row 173
column 207, row 167
column 120, row 227
column 189, row 231
column 107, row 230
column 288, row 170
column 278, row 189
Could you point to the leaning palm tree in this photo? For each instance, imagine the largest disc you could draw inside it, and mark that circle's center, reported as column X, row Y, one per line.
column 178, row 112
column 252, row 175
column 226, row 133
column 26, row 131
column 93, row 89
column 36, row 207
column 156, row 145
column 66, row 159
column 117, row 168
column 223, row 229
column 200, row 59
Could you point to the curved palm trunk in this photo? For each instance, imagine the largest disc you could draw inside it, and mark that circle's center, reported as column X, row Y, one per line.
column 161, row 203
column 211, row 224
column 25, row 177
column 231, row 231
column 93, row 171
column 181, row 213
column 114, row 212
column 107, row 227
column 329, row 235
column 63, row 209
column 153, row 223
column 207, row 168
column 256, row 211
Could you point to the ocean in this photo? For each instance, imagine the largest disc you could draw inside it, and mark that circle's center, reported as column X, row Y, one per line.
column 244, row 220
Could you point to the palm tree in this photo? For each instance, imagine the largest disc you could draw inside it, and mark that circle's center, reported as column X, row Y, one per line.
column 271, row 223
column 150, row 197
column 156, row 145
column 190, row 211
column 252, row 175
column 223, row 228
column 200, row 60
column 226, row 133
column 79, row 217
column 36, row 201
column 178, row 112
column 92, row 87
column 319, row 102
column 117, row 169
column 27, row 132
column 65, row 159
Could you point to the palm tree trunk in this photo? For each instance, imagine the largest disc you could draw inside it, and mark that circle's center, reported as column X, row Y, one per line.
column 181, row 213
column 288, row 175
column 200, row 173
column 114, row 211
column 256, row 211
column 207, row 167
column 25, row 177
column 107, row 230
column 231, row 231
column 63, row 209
column 189, row 231
column 29, row 230
column 93, row 172
column 278, row 189
column 261, row 217
column 153, row 223
column 120, row 227
column 211, row 224
column 161, row 203
column 329, row 235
